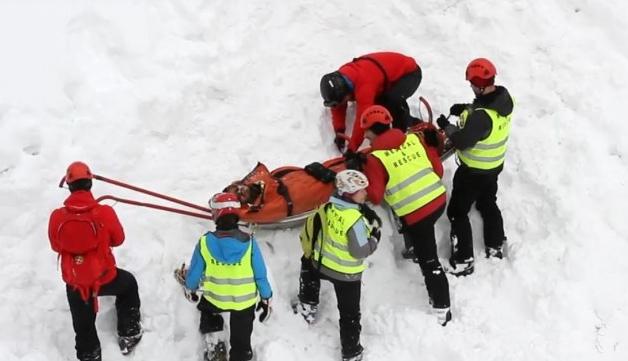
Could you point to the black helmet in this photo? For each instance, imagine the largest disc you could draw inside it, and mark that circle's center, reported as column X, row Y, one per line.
column 334, row 89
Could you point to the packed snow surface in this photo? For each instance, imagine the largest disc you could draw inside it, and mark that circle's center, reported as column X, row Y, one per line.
column 183, row 97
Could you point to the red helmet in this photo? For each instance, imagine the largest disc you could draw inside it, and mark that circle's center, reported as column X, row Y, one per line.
column 224, row 203
column 76, row 171
column 375, row 114
column 481, row 72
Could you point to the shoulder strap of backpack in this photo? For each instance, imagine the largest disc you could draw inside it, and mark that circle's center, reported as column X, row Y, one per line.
column 378, row 65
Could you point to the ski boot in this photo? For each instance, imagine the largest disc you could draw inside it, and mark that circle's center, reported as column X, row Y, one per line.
column 307, row 311
column 354, row 356
column 443, row 315
column 463, row 268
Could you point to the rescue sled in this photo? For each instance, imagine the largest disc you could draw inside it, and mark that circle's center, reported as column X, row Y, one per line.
column 286, row 196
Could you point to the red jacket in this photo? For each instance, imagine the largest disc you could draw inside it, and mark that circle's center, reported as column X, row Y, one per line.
column 103, row 214
column 368, row 84
column 378, row 176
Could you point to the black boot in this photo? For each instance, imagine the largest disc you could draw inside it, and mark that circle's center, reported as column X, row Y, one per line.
column 90, row 356
column 355, row 355
column 216, row 352
column 129, row 330
column 350, row 338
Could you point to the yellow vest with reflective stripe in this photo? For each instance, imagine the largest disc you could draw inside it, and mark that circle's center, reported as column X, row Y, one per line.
column 331, row 248
column 412, row 183
column 307, row 236
column 228, row 286
column 490, row 152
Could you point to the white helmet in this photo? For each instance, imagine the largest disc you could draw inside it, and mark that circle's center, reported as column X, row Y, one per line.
column 350, row 181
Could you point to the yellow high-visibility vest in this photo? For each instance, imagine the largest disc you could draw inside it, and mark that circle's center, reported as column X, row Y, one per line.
column 331, row 247
column 490, row 152
column 228, row 286
column 412, row 183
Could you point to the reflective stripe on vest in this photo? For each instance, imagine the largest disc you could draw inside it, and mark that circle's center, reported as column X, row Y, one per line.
column 331, row 249
column 228, row 286
column 412, row 183
column 490, row 152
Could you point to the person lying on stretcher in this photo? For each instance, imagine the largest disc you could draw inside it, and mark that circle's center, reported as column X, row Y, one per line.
column 272, row 196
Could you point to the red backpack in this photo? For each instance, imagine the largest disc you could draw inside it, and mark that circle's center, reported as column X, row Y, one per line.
column 83, row 252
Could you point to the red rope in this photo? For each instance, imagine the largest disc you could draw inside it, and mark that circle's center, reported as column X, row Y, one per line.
column 155, row 206
column 151, row 193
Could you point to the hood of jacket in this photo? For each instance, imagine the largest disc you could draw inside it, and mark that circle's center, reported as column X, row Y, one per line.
column 228, row 246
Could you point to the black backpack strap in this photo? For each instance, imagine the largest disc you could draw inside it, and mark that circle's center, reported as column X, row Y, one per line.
column 315, row 233
column 282, row 190
column 378, row 65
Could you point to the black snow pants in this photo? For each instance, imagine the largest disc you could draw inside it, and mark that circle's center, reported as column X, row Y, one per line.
column 481, row 188
column 240, row 326
column 124, row 287
column 395, row 99
column 348, row 295
column 422, row 236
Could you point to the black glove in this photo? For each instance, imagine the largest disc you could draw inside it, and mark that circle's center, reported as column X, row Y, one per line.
column 320, row 172
column 457, row 109
column 264, row 305
column 430, row 137
column 442, row 122
column 179, row 275
column 354, row 160
column 376, row 233
column 340, row 142
column 370, row 215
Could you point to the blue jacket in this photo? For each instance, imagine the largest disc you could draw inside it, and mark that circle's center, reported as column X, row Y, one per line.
column 229, row 247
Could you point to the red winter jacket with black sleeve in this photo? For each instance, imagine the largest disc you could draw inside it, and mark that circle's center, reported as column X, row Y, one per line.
column 105, row 216
column 378, row 176
column 369, row 82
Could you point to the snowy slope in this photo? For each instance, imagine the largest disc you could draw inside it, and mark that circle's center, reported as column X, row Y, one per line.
column 185, row 96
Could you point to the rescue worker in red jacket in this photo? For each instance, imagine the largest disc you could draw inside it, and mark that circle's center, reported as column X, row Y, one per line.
column 480, row 142
column 406, row 173
column 80, row 208
column 385, row 78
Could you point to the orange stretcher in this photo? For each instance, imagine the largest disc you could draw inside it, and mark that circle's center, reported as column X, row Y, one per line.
column 285, row 194
column 284, row 197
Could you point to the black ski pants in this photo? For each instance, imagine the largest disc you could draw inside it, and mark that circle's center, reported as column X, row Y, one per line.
column 348, row 295
column 395, row 99
column 240, row 325
column 422, row 236
column 124, row 287
column 481, row 188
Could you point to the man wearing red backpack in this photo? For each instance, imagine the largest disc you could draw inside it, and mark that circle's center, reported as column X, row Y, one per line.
column 82, row 233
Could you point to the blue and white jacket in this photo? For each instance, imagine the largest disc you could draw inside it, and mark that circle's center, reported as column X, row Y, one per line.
column 229, row 247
